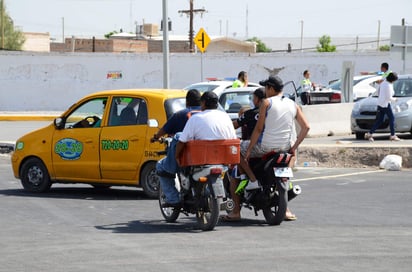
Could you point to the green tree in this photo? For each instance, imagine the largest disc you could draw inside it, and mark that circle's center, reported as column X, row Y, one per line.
column 325, row 45
column 107, row 36
column 384, row 48
column 10, row 38
column 260, row 46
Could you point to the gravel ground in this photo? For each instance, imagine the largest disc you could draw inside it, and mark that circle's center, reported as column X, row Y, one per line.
column 352, row 157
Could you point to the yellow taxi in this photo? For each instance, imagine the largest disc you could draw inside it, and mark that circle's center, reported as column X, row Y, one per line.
column 102, row 140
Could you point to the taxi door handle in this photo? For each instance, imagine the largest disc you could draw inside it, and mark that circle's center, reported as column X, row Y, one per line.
column 88, row 141
column 134, row 138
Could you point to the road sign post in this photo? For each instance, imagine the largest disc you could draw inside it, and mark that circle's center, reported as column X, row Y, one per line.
column 401, row 39
column 202, row 41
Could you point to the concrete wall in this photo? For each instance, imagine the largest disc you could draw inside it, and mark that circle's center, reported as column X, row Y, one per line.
column 230, row 45
column 101, row 45
column 36, row 42
column 53, row 81
column 328, row 119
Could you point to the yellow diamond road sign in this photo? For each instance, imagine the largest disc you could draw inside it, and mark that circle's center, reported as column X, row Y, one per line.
column 202, row 40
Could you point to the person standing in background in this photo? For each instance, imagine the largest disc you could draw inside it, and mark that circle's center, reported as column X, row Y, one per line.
column 241, row 80
column 307, row 86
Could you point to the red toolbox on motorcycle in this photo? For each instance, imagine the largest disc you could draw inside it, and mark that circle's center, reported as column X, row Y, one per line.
column 201, row 152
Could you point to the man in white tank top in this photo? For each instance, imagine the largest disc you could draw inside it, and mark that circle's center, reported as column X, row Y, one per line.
column 275, row 128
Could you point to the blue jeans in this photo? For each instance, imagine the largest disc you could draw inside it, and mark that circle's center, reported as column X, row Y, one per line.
column 166, row 169
column 380, row 117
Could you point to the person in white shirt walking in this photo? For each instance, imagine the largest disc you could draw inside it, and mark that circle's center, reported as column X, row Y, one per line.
column 385, row 98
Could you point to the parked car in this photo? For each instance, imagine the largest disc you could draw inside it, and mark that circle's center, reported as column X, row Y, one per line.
column 233, row 99
column 364, row 111
column 102, row 140
column 215, row 85
column 363, row 86
column 320, row 95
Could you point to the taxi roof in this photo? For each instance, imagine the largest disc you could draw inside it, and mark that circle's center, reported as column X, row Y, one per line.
column 143, row 92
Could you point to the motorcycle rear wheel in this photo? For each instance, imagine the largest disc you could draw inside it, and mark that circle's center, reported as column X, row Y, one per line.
column 207, row 220
column 169, row 214
column 275, row 215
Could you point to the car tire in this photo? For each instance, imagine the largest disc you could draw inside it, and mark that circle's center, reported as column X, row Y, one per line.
column 34, row 176
column 360, row 135
column 149, row 180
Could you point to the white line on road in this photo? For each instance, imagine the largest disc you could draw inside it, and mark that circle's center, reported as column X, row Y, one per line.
column 339, row 176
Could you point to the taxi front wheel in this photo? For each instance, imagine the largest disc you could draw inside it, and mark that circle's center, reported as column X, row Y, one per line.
column 34, row 176
column 149, row 180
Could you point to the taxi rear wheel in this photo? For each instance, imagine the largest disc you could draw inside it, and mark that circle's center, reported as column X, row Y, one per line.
column 34, row 176
column 150, row 181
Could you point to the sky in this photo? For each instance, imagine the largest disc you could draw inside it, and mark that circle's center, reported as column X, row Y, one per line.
column 266, row 18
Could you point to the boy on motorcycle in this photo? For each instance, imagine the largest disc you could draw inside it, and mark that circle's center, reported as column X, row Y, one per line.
column 247, row 121
column 274, row 130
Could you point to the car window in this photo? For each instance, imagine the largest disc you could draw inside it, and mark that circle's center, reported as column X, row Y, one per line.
column 403, row 87
column 202, row 87
column 232, row 102
column 88, row 114
column 174, row 105
column 126, row 111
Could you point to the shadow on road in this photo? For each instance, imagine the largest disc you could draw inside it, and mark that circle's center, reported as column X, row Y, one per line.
column 186, row 224
column 80, row 193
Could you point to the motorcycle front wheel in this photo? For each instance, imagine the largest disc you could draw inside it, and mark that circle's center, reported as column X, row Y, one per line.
column 208, row 212
column 170, row 214
column 276, row 214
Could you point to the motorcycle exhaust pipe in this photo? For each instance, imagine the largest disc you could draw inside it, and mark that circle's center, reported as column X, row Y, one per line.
column 294, row 192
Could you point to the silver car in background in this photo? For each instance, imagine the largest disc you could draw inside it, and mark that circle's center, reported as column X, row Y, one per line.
column 364, row 111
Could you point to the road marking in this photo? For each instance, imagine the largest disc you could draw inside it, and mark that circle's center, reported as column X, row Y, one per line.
column 339, row 176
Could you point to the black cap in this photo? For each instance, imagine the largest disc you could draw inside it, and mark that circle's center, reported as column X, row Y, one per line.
column 210, row 99
column 260, row 93
column 273, row 81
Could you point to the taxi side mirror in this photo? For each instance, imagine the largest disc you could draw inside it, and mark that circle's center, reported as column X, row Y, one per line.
column 152, row 123
column 58, row 123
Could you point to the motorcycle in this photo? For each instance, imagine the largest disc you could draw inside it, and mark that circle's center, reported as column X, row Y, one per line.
column 201, row 192
column 274, row 174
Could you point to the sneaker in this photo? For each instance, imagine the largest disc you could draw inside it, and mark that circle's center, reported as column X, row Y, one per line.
column 394, row 138
column 252, row 186
column 369, row 137
column 241, row 187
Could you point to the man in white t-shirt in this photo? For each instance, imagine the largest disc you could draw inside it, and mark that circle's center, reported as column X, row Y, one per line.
column 210, row 124
column 274, row 130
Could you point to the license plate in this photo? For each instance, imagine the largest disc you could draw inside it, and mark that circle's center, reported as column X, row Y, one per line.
column 283, row 172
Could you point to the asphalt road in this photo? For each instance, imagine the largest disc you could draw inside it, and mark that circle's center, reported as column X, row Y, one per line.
column 348, row 220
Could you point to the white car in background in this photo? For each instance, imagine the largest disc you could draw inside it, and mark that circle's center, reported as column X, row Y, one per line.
column 215, row 85
column 363, row 86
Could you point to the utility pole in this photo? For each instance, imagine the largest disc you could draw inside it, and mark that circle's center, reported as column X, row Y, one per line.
column 379, row 35
column 190, row 12
column 2, row 23
column 247, row 22
column 166, row 65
